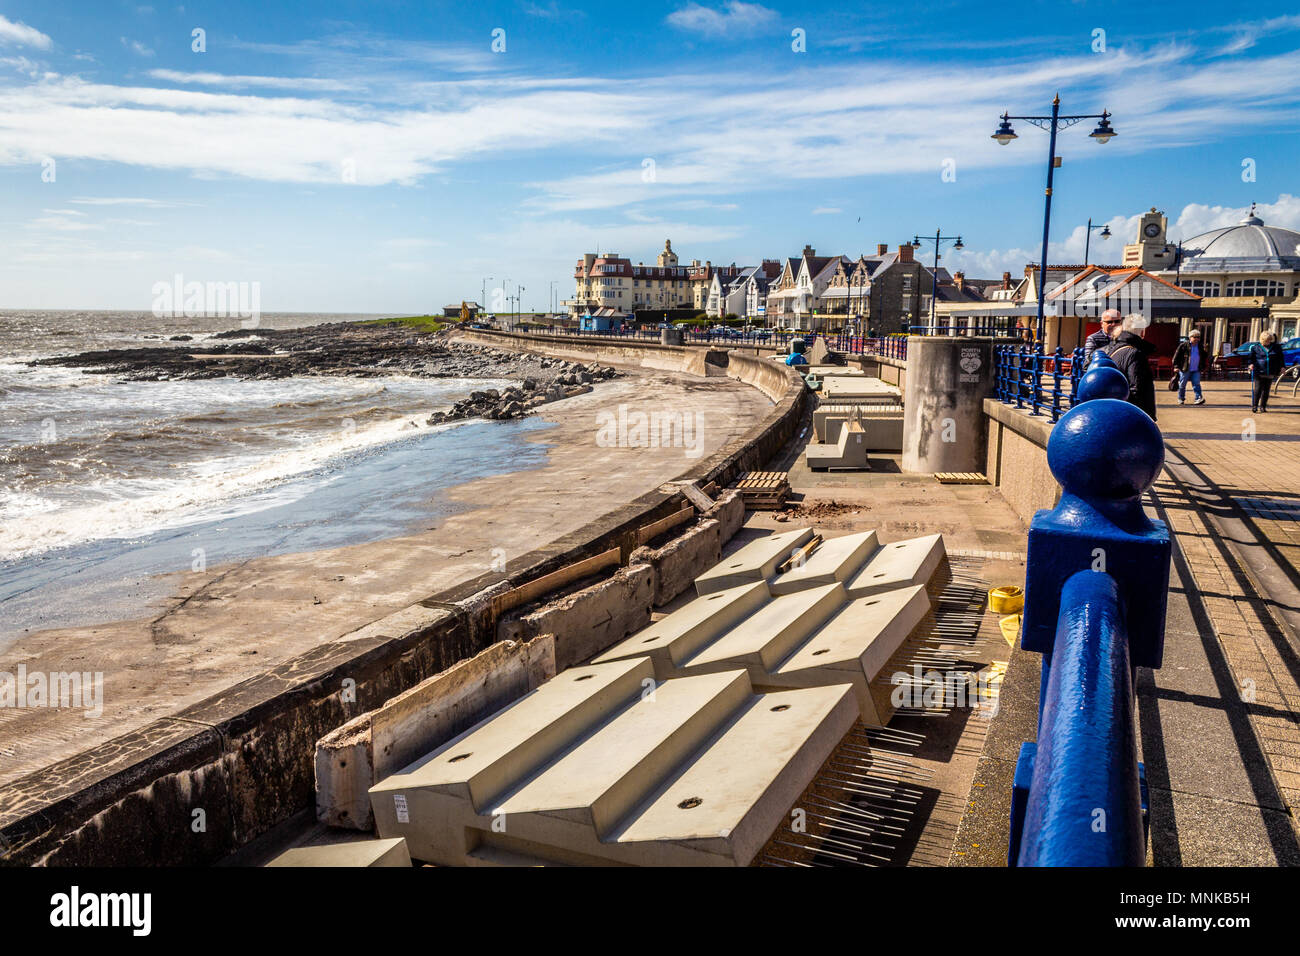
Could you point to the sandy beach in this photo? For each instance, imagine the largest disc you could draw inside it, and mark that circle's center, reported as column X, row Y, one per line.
column 213, row 628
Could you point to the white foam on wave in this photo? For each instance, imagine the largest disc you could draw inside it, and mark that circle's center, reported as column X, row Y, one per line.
column 157, row 504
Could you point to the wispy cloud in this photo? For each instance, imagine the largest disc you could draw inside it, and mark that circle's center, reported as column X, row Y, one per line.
column 735, row 17
column 22, row 35
column 136, row 47
column 128, row 201
column 827, row 211
column 243, row 82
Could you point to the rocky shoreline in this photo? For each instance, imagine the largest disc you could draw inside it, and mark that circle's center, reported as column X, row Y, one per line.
column 357, row 350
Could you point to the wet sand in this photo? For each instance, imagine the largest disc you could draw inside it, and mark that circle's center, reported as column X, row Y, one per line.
column 228, row 623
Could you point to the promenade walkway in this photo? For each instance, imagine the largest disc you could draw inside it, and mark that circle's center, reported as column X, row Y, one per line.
column 1219, row 723
column 1221, row 720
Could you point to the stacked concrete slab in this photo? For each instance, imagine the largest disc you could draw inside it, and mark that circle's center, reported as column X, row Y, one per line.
column 605, row 765
column 858, row 390
column 882, row 424
column 848, row 451
column 837, row 616
column 362, row 853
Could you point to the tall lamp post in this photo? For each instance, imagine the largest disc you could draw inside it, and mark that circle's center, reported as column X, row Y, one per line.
column 483, row 304
column 1005, row 134
column 1087, row 240
column 938, row 239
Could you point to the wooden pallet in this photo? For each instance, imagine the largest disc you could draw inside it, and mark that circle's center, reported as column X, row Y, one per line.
column 763, row 490
column 960, row 478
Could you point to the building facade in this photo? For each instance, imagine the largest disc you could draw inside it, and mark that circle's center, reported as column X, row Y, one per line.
column 1247, row 275
column 609, row 281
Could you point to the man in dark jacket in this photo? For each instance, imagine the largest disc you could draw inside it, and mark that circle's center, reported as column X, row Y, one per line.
column 1189, row 361
column 1110, row 322
column 1131, row 352
column 1266, row 361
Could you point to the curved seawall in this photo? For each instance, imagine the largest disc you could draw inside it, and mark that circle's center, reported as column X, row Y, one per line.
column 244, row 757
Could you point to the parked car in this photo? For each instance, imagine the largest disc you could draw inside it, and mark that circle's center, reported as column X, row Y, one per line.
column 1291, row 352
column 1236, row 359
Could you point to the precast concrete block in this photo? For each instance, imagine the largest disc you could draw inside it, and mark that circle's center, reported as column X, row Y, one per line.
column 696, row 771
column 898, row 564
column 681, row 634
column 756, row 561
column 391, row 852
column 834, row 560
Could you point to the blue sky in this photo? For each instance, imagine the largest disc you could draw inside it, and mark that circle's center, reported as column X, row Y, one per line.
column 382, row 157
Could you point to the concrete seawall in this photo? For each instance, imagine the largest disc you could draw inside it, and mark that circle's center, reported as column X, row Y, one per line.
column 1016, row 458
column 193, row 787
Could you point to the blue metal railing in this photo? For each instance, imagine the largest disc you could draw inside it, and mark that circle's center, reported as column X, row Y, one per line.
column 1027, row 378
column 1095, row 599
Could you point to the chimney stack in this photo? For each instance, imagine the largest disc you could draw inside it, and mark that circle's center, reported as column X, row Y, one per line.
column 809, row 251
column 882, row 248
column 959, row 280
column 1006, row 280
column 905, row 252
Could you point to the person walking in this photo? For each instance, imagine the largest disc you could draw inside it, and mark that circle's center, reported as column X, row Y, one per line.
column 1132, row 353
column 1266, row 362
column 1189, row 359
column 1110, row 326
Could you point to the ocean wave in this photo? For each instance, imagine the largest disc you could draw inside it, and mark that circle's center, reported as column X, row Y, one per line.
column 36, row 522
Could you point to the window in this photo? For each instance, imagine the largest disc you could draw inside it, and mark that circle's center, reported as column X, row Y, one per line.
column 1262, row 287
column 1200, row 286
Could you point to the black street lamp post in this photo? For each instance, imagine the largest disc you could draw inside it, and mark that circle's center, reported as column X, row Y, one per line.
column 938, row 239
column 1005, row 134
column 1087, row 239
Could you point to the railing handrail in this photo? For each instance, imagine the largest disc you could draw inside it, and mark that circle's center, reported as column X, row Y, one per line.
column 1096, row 589
column 1084, row 806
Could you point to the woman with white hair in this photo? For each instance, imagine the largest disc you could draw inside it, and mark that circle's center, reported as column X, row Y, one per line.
column 1266, row 362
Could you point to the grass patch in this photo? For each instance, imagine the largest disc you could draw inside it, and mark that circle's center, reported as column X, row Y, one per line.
column 417, row 323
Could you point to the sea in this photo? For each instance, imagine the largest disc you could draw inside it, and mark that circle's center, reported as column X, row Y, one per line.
column 106, row 484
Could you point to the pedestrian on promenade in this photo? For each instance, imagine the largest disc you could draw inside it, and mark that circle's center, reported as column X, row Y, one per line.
column 1132, row 353
column 1110, row 321
column 1265, row 365
column 1189, row 359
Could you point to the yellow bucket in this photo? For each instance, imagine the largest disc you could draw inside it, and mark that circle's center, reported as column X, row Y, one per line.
column 1006, row 600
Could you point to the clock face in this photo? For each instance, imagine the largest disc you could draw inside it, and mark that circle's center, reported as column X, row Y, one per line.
column 1152, row 230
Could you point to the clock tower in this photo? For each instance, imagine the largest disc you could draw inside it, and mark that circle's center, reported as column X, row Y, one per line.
column 1152, row 250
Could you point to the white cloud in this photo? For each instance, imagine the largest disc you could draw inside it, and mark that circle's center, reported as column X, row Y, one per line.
column 127, row 201
column 22, row 34
column 241, row 82
column 735, row 17
column 827, row 211
column 136, row 47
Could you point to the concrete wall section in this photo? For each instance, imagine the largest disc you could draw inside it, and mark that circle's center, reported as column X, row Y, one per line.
column 588, row 621
column 1017, row 459
column 351, row 759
